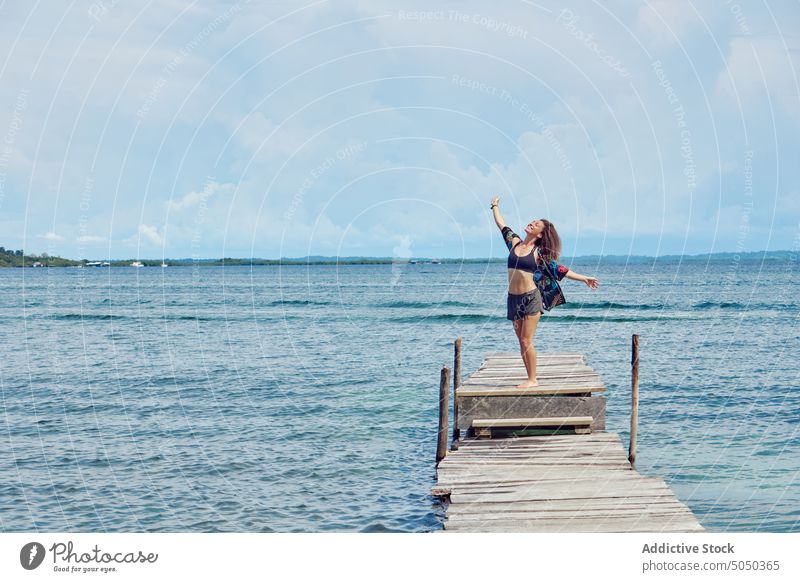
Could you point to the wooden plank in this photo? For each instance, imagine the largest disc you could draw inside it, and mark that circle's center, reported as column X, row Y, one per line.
column 539, row 354
column 546, row 439
column 643, row 514
column 545, row 366
column 629, row 518
column 542, row 466
column 486, row 485
column 519, row 443
column 499, row 473
column 505, row 471
column 553, row 382
column 517, row 468
column 535, row 452
column 590, row 483
column 539, row 493
column 508, row 469
column 563, row 453
column 566, row 504
column 525, row 422
column 543, row 380
column 548, row 467
column 512, row 381
column 500, row 375
column 523, row 459
column 539, row 361
column 592, row 378
column 534, row 441
column 475, row 392
column 540, row 373
column 531, row 453
column 536, row 448
column 586, row 386
column 575, row 525
column 533, row 476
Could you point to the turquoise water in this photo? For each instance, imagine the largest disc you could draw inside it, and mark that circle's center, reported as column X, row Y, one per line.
column 305, row 398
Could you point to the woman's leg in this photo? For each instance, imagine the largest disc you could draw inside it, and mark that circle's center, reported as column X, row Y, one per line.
column 527, row 349
column 518, row 330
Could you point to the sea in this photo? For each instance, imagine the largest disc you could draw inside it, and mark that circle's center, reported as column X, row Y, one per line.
column 304, row 398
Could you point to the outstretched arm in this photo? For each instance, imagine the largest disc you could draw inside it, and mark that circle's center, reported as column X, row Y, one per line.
column 509, row 236
column 592, row 282
column 498, row 218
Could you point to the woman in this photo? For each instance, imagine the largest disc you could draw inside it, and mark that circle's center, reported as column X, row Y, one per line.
column 533, row 275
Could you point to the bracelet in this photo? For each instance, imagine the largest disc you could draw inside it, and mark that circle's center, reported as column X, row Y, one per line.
column 492, row 206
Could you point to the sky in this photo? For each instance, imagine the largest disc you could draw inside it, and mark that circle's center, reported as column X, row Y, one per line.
column 373, row 128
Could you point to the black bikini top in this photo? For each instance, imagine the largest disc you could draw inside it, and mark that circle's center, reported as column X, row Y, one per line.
column 524, row 263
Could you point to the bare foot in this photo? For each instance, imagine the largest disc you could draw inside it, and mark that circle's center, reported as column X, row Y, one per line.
column 528, row 384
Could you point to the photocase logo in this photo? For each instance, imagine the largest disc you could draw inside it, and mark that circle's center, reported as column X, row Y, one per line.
column 31, row 555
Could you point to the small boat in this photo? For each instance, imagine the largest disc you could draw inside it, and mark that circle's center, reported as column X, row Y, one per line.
column 164, row 265
column 137, row 264
column 436, row 262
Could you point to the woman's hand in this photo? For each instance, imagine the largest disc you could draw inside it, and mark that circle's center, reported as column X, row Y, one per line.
column 591, row 282
column 495, row 201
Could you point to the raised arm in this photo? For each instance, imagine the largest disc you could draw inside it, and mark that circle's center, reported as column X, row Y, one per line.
column 498, row 218
column 590, row 281
column 509, row 236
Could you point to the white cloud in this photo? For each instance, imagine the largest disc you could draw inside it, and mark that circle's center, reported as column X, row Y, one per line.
column 150, row 233
column 51, row 236
column 762, row 67
column 194, row 198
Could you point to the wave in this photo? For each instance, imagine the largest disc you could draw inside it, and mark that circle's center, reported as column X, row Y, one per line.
column 612, row 305
column 702, row 306
column 567, row 318
column 109, row 317
column 422, row 304
column 445, row 317
column 610, row 319
column 285, row 302
column 721, row 305
column 85, row 316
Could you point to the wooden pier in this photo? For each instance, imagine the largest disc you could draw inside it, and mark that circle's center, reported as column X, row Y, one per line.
column 565, row 475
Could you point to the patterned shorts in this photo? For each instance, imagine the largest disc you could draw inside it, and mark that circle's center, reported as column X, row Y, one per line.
column 519, row 306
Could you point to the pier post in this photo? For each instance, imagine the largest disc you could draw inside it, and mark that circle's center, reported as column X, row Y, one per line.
column 634, row 398
column 456, row 384
column 444, row 391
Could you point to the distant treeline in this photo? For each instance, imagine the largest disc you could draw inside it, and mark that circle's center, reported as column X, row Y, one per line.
column 17, row 258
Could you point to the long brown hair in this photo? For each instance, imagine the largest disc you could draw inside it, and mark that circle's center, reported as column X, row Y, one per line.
column 550, row 243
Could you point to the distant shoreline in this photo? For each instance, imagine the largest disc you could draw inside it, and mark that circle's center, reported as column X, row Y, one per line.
column 33, row 261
